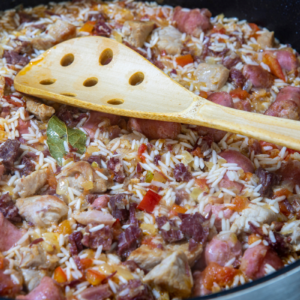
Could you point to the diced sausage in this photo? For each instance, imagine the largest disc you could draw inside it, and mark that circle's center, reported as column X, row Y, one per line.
column 95, row 118
column 223, row 248
column 58, row 32
column 9, row 234
column 40, row 110
column 100, row 292
column 221, row 98
column 266, row 39
column 243, row 105
column 43, row 210
column 29, row 185
column 14, row 58
column 254, row 261
column 192, row 22
column 231, row 60
column 82, row 176
column 94, row 217
column 286, row 104
column 237, row 77
column 23, row 126
column 234, row 186
column 9, row 153
column 169, row 40
column 2, row 86
column 134, row 289
column 255, row 213
column 267, row 180
column 287, row 60
column 290, row 172
column 47, row 289
column 101, row 202
column 259, row 77
column 173, row 274
column 232, row 156
column 216, row 209
column 213, row 76
column 137, row 32
column 155, row 129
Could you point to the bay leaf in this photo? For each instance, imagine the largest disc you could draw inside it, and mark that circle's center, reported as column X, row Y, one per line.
column 58, row 133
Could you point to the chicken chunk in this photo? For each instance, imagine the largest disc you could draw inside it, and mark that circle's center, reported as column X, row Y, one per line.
column 2, row 86
column 173, row 274
column 39, row 109
column 42, row 211
column 169, row 39
column 29, row 185
column 147, row 257
column 58, row 32
column 94, row 217
column 266, row 39
column 81, row 176
column 137, row 32
column 259, row 214
column 32, row 278
column 213, row 76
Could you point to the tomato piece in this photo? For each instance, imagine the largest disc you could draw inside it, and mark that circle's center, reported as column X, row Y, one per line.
column 218, row 28
column 150, row 200
column 197, row 152
column 9, row 81
column 59, row 275
column 52, row 181
column 149, row 176
column 270, row 60
column 215, row 273
column 283, row 192
column 13, row 102
column 239, row 93
column 86, row 263
column 253, row 238
column 64, row 227
column 1, row 263
column 201, row 182
column 240, row 203
column 176, row 209
column 88, row 26
column 248, row 176
column 203, row 94
column 254, row 27
column 94, row 277
column 141, row 150
column 184, row 60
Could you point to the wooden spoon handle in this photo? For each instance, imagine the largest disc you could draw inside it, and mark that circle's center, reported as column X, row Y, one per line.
column 275, row 130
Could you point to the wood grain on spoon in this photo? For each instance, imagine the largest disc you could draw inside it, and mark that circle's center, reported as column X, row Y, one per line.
column 101, row 74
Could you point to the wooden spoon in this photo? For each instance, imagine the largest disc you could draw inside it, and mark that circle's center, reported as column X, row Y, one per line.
column 101, row 74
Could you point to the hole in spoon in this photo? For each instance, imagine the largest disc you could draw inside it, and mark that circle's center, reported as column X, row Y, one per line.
column 115, row 101
column 67, row 60
column 106, row 57
column 137, row 78
column 68, row 94
column 90, row 82
column 47, row 81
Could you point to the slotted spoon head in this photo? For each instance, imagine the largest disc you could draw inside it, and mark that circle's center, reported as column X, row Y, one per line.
column 101, row 74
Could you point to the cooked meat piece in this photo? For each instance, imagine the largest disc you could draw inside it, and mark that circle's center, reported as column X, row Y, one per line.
column 29, row 185
column 259, row 77
column 102, row 237
column 290, row 172
column 47, row 289
column 14, row 58
column 129, row 240
column 58, row 32
column 101, row 202
column 169, row 39
column 222, row 248
column 231, row 60
column 213, row 76
column 9, row 209
column 254, row 261
column 286, row 104
column 134, row 289
column 94, row 217
column 137, row 32
column 2, row 86
column 266, row 39
column 155, row 129
column 32, row 278
column 42, row 211
column 147, row 257
column 234, row 186
column 267, row 180
column 100, row 292
column 232, row 156
column 257, row 213
column 287, row 59
column 9, row 234
column 173, row 274
column 82, row 176
column 237, row 77
column 9, row 153
column 39, row 109
column 221, row 98
column 192, row 22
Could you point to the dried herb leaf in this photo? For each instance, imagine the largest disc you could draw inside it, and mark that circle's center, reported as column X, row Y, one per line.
column 58, row 133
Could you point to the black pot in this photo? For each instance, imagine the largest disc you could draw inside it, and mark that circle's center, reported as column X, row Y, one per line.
column 283, row 17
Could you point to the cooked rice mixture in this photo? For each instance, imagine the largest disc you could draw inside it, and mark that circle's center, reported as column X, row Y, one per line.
column 99, row 206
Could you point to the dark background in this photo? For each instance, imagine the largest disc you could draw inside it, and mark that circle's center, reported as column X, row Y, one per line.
column 282, row 16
